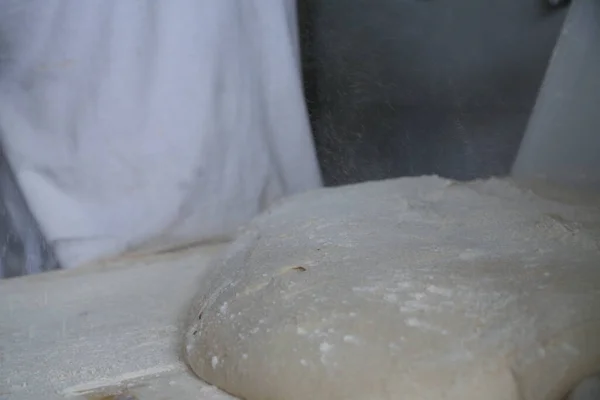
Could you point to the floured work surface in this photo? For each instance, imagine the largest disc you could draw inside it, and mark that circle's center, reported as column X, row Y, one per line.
column 98, row 331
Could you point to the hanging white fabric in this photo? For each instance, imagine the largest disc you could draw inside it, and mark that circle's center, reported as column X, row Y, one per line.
column 135, row 124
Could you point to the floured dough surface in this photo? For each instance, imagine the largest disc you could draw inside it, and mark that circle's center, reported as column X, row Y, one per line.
column 415, row 288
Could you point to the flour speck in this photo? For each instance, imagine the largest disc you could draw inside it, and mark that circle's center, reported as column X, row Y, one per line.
column 351, row 339
column 325, row 347
column 223, row 308
column 390, row 298
column 438, row 290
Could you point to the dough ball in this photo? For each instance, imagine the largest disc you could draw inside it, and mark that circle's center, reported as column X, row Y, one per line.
column 414, row 288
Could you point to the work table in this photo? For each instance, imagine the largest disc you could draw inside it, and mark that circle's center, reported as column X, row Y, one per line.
column 99, row 330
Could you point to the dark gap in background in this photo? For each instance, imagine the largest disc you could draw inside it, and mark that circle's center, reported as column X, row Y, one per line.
column 404, row 88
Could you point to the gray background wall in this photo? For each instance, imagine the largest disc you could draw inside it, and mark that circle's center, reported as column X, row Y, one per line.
column 398, row 87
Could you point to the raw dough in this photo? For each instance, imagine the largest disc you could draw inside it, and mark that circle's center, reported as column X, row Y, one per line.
column 415, row 288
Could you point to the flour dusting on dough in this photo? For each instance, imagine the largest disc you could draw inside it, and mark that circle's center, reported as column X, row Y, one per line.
column 460, row 283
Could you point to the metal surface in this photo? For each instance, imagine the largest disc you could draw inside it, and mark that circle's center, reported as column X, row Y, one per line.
column 399, row 88
column 101, row 331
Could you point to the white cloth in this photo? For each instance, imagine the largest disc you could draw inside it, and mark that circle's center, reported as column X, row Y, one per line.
column 132, row 124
